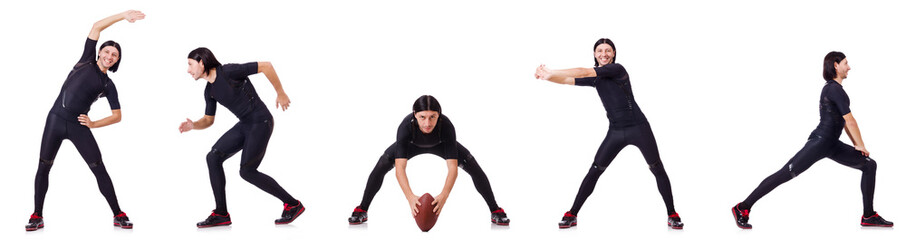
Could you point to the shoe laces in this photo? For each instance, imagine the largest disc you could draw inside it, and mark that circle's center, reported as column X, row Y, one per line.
column 499, row 210
column 287, row 207
column 35, row 216
column 213, row 214
column 358, row 209
column 569, row 214
column 122, row 214
column 745, row 213
column 674, row 215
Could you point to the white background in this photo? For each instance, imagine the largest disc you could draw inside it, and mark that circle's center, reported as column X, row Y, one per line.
column 730, row 89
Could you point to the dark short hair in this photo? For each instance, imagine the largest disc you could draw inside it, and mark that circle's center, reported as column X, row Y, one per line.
column 426, row 103
column 608, row 42
column 206, row 57
column 830, row 72
column 117, row 46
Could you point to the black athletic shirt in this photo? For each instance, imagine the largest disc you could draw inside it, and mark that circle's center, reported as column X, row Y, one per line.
column 233, row 90
column 834, row 104
column 612, row 83
column 409, row 136
column 84, row 85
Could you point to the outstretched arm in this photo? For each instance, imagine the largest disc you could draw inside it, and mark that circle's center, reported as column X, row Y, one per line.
column 563, row 76
column 268, row 69
column 441, row 198
column 115, row 117
column 131, row 16
column 403, row 179
column 202, row 123
column 852, row 129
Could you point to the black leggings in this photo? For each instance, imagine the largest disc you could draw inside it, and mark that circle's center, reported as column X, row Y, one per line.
column 618, row 138
column 252, row 138
column 55, row 130
column 465, row 161
column 816, row 149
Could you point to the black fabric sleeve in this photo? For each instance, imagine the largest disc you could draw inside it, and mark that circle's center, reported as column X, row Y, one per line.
column 240, row 71
column 112, row 96
column 589, row 81
column 404, row 135
column 88, row 54
column 448, row 136
column 210, row 104
column 610, row 70
column 840, row 99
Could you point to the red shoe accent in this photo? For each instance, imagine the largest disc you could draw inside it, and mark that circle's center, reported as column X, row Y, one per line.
column 122, row 214
column 499, row 210
column 674, row 215
column 569, row 214
column 214, row 214
column 219, row 224
column 358, row 209
column 35, row 228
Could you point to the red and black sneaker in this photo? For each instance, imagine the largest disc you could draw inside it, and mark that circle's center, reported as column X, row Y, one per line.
column 290, row 213
column 34, row 222
column 876, row 221
column 742, row 217
column 499, row 217
column 215, row 220
column 358, row 216
column 674, row 221
column 569, row 220
column 121, row 220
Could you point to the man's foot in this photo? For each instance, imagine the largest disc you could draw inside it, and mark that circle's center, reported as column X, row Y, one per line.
column 121, row 220
column 358, row 216
column 674, row 221
column 290, row 213
column 215, row 220
column 876, row 221
column 742, row 217
column 569, row 220
column 499, row 217
column 34, row 222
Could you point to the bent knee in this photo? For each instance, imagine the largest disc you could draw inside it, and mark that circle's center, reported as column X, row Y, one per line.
column 870, row 165
column 216, row 156
column 248, row 173
column 46, row 162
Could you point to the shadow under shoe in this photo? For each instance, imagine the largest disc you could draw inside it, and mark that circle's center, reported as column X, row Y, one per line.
column 358, row 216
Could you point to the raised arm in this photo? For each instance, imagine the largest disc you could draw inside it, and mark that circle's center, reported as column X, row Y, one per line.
column 268, row 69
column 563, row 76
column 131, row 16
column 403, row 179
column 852, row 129
column 441, row 198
